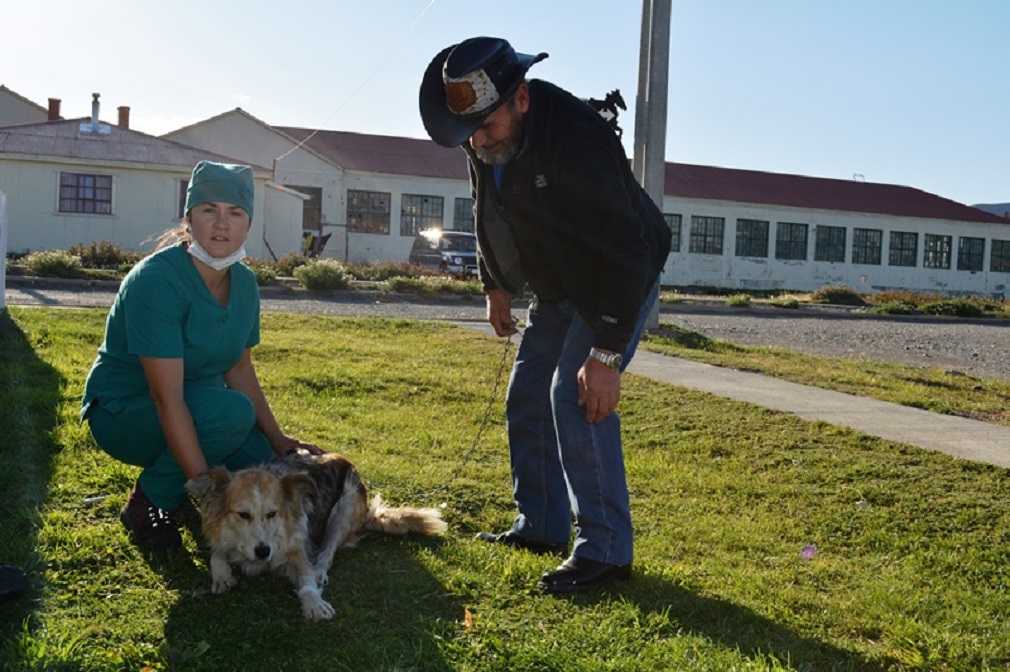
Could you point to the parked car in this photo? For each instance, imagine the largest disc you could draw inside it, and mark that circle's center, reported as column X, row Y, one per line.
column 452, row 252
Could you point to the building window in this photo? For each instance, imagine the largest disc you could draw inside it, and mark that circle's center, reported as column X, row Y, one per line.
column 791, row 241
column 829, row 243
column 936, row 251
column 673, row 221
column 751, row 238
column 970, row 253
column 86, row 194
column 367, row 212
column 904, row 249
column 999, row 256
column 706, row 235
column 312, row 208
column 418, row 213
column 866, row 246
column 462, row 215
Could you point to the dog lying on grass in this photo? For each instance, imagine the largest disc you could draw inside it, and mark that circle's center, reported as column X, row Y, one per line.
column 290, row 516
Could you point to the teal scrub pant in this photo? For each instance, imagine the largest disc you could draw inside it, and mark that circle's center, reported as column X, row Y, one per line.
column 129, row 431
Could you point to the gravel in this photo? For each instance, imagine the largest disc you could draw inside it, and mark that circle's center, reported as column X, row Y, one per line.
column 976, row 347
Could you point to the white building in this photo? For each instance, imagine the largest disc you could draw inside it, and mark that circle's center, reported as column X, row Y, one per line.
column 367, row 196
column 82, row 180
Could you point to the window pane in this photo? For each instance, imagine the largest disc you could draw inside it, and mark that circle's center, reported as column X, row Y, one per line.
column 86, row 194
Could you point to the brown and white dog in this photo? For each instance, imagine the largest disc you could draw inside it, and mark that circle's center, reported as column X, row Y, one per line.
column 290, row 516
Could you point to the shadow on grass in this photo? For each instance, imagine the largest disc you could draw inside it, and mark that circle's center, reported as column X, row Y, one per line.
column 390, row 614
column 29, row 392
column 734, row 627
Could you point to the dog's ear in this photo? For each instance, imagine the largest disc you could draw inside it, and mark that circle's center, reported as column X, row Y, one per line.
column 210, row 483
column 296, row 486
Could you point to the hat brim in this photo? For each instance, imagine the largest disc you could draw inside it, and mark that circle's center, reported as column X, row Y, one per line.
column 444, row 127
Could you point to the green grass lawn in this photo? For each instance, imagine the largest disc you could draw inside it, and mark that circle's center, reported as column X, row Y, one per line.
column 763, row 542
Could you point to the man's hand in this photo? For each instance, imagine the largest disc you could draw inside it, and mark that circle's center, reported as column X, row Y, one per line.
column 499, row 313
column 599, row 389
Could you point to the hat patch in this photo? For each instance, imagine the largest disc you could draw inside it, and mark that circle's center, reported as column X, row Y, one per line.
column 472, row 93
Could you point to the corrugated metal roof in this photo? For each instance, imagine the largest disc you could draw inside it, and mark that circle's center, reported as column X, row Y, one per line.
column 64, row 139
column 410, row 156
column 799, row 191
column 383, row 153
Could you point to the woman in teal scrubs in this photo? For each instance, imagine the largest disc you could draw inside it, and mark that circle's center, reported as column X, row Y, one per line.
column 173, row 389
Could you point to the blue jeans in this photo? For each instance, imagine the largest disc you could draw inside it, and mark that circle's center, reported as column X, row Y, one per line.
column 563, row 465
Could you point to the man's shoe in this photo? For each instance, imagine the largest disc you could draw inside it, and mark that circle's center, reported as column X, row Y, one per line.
column 149, row 525
column 513, row 540
column 577, row 575
column 13, row 583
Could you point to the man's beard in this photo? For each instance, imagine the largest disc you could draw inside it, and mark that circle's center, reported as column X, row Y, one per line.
column 502, row 157
column 512, row 144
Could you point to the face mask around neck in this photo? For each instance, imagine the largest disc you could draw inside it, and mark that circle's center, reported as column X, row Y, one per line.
column 217, row 263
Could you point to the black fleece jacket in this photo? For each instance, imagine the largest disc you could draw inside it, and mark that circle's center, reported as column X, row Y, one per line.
column 571, row 213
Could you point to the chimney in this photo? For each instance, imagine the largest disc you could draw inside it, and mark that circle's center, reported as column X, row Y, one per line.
column 93, row 125
column 54, row 109
column 124, row 116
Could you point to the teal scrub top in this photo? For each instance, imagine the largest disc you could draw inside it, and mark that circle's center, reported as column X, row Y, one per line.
column 164, row 309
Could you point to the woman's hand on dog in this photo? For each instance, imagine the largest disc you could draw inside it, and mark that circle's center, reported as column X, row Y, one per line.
column 284, row 445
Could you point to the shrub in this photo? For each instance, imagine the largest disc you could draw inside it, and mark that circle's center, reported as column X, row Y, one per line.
column 384, row 270
column 287, row 264
column 431, row 283
column 104, row 254
column 842, row 296
column 263, row 270
column 739, row 301
column 323, row 274
column 54, row 263
column 894, row 308
column 785, row 302
column 952, row 307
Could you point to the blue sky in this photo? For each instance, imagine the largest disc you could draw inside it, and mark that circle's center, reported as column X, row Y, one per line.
column 908, row 92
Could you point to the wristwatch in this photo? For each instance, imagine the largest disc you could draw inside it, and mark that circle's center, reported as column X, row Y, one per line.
column 613, row 361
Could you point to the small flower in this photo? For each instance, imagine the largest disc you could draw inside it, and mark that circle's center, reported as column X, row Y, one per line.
column 808, row 552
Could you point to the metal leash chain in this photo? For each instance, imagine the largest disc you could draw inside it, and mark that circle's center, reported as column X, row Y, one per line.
column 480, row 430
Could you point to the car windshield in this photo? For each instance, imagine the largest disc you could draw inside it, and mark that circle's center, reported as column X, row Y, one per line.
column 459, row 243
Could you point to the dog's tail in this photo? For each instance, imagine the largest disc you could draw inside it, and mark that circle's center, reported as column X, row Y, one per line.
column 403, row 519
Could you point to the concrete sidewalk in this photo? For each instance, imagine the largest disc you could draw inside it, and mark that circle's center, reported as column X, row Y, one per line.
column 967, row 439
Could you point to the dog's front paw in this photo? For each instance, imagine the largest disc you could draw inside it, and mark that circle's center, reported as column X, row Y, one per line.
column 222, row 584
column 314, row 607
column 222, row 579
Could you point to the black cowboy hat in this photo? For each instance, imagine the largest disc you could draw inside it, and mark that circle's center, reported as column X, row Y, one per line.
column 466, row 82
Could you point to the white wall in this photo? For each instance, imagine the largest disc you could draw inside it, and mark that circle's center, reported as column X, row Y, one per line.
column 727, row 270
column 14, row 110
column 145, row 204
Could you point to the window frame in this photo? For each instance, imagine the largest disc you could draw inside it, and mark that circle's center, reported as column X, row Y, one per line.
column 999, row 262
column 373, row 219
column 752, row 237
column 704, row 238
column 418, row 213
column 935, row 254
column 866, row 251
column 791, row 241
column 899, row 252
column 97, row 192
column 675, row 222
column 826, row 247
column 462, row 215
column 972, row 260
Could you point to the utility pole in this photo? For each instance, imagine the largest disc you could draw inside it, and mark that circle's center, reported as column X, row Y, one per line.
column 649, row 158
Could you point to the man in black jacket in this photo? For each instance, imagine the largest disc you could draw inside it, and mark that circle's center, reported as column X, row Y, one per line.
column 556, row 208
